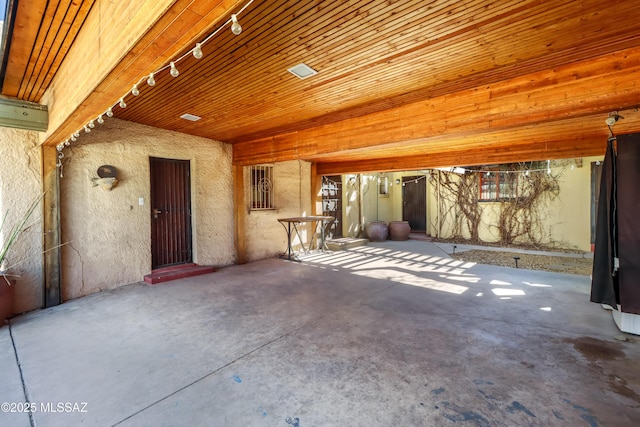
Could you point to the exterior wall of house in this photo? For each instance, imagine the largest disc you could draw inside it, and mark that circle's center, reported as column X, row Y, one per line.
column 108, row 233
column 265, row 237
column 565, row 220
column 376, row 206
column 20, row 185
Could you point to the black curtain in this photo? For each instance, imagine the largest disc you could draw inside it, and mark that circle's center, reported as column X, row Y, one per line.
column 628, row 221
column 604, row 279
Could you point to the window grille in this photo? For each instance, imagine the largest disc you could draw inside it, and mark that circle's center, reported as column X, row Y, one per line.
column 261, row 179
column 496, row 186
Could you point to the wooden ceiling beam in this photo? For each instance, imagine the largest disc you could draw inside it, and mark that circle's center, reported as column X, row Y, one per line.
column 574, row 137
column 592, row 87
column 110, row 54
column 532, row 151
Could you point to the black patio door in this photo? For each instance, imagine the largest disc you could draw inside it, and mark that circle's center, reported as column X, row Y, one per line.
column 414, row 202
column 170, row 212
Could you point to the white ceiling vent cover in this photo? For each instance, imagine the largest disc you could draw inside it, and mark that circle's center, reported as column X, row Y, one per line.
column 190, row 117
column 302, row 71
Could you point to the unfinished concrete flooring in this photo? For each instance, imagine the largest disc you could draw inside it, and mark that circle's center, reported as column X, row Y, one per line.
column 391, row 334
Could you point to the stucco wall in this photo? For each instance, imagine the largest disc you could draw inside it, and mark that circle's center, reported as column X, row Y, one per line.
column 264, row 235
column 21, row 184
column 565, row 219
column 109, row 233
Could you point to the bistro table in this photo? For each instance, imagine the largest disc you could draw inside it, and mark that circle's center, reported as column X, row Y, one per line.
column 291, row 227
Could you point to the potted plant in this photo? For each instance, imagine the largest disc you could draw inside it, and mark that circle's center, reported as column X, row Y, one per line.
column 8, row 237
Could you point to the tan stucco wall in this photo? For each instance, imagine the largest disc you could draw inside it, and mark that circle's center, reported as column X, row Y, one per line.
column 20, row 184
column 109, row 233
column 265, row 236
column 377, row 207
column 566, row 220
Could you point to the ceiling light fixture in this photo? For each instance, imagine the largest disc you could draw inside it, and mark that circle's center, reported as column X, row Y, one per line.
column 174, row 70
column 197, row 51
column 190, row 117
column 151, row 81
column 235, row 25
column 613, row 118
column 302, row 71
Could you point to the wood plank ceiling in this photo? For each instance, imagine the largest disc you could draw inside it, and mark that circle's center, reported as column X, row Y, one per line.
column 400, row 84
column 43, row 33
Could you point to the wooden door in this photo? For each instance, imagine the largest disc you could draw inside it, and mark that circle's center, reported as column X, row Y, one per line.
column 414, row 202
column 170, row 212
column 332, row 204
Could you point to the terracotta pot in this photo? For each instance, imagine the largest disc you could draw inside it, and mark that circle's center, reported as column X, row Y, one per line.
column 377, row 231
column 7, row 296
column 399, row 230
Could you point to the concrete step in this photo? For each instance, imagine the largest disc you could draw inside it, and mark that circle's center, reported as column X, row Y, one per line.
column 177, row 272
column 345, row 243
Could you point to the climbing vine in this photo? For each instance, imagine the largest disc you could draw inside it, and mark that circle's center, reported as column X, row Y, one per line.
column 519, row 216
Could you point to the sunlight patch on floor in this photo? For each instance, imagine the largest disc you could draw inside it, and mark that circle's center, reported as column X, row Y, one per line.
column 413, row 280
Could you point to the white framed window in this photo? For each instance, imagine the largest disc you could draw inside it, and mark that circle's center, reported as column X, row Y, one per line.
column 261, row 187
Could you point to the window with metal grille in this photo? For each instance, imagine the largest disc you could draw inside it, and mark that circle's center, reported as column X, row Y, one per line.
column 498, row 186
column 261, row 179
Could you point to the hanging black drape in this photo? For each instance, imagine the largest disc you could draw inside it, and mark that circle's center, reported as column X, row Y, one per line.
column 628, row 221
column 604, row 279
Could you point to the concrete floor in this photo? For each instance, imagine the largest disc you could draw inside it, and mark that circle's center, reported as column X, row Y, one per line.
column 391, row 334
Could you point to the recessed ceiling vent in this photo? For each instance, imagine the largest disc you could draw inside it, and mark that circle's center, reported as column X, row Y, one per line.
column 302, row 71
column 190, row 117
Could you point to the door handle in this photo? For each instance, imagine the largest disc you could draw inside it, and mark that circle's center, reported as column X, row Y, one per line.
column 156, row 212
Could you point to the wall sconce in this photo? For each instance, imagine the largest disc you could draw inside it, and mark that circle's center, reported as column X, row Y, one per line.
column 398, row 181
column 107, row 177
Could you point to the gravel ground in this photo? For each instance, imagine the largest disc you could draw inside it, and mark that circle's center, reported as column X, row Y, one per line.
column 569, row 265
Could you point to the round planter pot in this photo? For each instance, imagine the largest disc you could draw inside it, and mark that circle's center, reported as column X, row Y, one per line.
column 7, row 296
column 399, row 230
column 377, row 231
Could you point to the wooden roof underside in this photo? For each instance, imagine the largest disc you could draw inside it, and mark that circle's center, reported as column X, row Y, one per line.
column 400, row 84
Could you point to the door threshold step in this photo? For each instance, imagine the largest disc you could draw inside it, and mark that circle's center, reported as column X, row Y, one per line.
column 177, row 272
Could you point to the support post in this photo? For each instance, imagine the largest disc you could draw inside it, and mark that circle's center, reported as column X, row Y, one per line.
column 239, row 213
column 316, row 190
column 51, row 227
